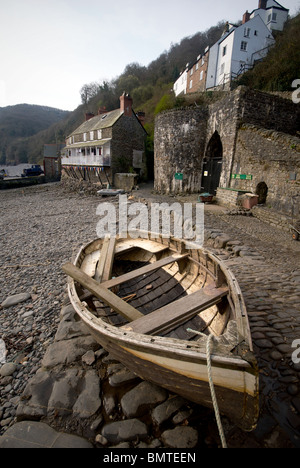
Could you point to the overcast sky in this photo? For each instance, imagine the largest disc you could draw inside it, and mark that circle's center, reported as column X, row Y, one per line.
column 50, row 48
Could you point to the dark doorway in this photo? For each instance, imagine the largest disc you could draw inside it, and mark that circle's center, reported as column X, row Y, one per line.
column 212, row 165
column 262, row 192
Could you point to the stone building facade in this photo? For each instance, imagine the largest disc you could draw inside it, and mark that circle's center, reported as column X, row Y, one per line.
column 245, row 139
column 104, row 145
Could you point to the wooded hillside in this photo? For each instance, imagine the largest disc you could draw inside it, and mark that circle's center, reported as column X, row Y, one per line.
column 19, row 123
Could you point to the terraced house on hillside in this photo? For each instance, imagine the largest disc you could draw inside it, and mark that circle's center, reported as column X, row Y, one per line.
column 238, row 49
column 107, row 143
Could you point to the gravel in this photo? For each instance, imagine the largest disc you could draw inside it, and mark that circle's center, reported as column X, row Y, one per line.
column 43, row 227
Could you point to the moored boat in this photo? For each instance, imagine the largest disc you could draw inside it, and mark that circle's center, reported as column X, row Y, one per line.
column 154, row 303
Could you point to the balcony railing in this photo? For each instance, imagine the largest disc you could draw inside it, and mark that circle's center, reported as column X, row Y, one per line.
column 86, row 161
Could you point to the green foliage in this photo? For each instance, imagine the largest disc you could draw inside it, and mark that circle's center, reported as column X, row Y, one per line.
column 167, row 102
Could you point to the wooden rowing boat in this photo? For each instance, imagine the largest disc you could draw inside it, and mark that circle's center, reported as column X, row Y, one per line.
column 153, row 304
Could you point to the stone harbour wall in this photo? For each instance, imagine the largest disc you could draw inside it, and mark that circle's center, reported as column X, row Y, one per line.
column 270, row 157
column 272, row 217
column 258, row 132
column 228, row 197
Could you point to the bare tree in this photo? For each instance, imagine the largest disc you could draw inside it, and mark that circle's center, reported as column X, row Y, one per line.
column 88, row 91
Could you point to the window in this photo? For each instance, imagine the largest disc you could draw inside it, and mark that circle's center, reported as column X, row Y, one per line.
column 202, row 62
column 255, row 33
column 269, row 18
column 191, row 84
column 192, row 71
column 201, row 75
column 99, row 134
column 224, row 50
column 84, row 137
column 274, row 17
column 222, row 68
column 91, row 136
column 244, row 46
column 197, row 66
column 247, row 32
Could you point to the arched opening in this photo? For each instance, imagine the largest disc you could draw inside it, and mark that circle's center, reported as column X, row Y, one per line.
column 262, row 192
column 212, row 165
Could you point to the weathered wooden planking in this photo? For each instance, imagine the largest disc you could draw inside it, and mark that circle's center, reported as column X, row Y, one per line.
column 102, row 260
column 143, row 271
column 145, row 244
column 109, row 261
column 175, row 314
column 109, row 298
column 90, row 262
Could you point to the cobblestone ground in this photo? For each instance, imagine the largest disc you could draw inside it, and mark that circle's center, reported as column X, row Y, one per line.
column 268, row 271
column 43, row 227
column 271, row 289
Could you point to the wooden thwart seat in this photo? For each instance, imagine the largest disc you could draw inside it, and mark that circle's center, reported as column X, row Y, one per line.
column 109, row 298
column 160, row 321
column 144, row 270
column 175, row 314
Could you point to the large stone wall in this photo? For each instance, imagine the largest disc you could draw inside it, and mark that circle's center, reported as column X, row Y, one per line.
column 180, row 137
column 258, row 132
column 270, row 157
column 128, row 136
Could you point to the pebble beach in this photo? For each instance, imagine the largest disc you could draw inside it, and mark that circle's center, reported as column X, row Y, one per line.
column 43, row 346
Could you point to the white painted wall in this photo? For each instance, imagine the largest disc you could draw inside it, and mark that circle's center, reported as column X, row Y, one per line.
column 256, row 38
column 260, row 38
column 212, row 66
column 273, row 8
column 224, row 61
column 181, row 84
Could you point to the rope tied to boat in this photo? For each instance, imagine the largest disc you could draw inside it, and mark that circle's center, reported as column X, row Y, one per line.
column 211, row 384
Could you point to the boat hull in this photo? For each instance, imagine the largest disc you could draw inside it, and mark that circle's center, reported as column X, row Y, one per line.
column 181, row 366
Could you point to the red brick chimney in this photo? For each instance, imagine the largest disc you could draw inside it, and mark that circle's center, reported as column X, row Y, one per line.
column 126, row 104
column 102, row 110
column 262, row 4
column 89, row 116
column 246, row 17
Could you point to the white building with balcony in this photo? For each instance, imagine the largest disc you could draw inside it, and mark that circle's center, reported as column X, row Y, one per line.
column 109, row 142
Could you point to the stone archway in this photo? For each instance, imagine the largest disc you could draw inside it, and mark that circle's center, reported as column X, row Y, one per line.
column 212, row 165
column 262, row 192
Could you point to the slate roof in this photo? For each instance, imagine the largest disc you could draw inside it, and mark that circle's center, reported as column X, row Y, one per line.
column 98, row 122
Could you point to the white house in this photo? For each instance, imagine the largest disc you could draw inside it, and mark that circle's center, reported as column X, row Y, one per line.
column 239, row 49
column 180, row 86
column 272, row 13
column 240, row 46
